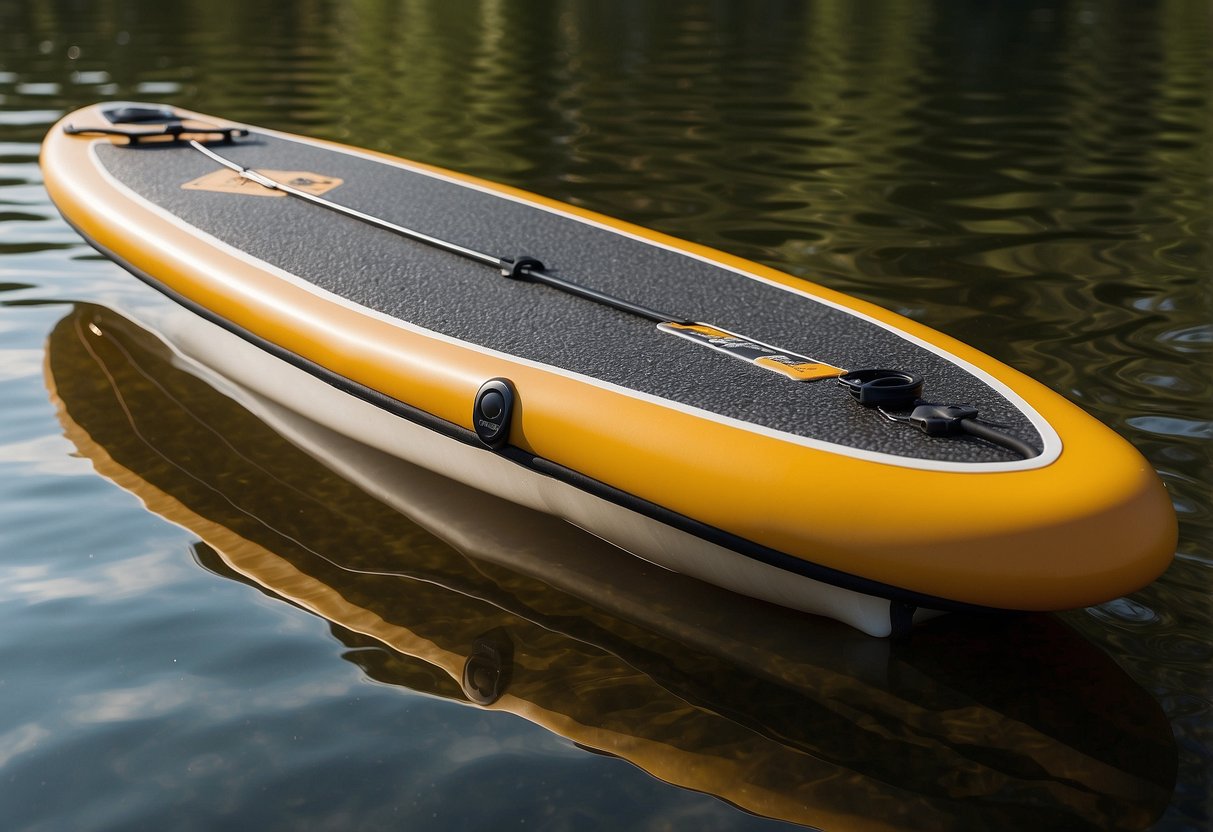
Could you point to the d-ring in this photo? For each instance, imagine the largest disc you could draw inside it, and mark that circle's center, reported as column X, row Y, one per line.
column 895, row 389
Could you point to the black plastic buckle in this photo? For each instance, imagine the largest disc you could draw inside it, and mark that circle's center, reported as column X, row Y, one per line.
column 941, row 419
column 515, row 269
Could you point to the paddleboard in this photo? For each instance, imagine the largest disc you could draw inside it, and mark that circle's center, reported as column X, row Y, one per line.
column 711, row 415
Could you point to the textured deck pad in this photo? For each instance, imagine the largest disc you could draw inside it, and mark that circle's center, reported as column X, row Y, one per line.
column 459, row 298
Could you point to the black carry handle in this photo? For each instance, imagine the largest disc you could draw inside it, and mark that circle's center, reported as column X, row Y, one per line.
column 176, row 131
column 127, row 112
column 172, row 124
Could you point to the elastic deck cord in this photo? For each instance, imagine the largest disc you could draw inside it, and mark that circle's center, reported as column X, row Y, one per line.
column 878, row 388
column 986, row 431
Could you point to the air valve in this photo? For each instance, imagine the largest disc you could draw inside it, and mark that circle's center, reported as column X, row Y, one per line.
column 492, row 411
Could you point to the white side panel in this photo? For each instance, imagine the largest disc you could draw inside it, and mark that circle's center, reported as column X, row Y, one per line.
column 235, row 364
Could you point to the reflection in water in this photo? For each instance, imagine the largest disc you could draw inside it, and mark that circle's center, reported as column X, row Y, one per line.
column 443, row 590
column 1031, row 177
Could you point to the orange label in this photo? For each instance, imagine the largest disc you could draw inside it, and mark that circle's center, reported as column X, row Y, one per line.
column 798, row 370
column 787, row 364
column 702, row 329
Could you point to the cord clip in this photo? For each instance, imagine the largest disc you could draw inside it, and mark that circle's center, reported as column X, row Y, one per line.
column 518, row 268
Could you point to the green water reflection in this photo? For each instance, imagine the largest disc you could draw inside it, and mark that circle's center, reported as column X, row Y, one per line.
column 786, row 716
column 1034, row 178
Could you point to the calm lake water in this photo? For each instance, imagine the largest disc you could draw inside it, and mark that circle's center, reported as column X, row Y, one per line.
column 214, row 614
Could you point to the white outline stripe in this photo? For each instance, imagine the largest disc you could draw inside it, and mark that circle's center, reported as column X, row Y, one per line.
column 1052, row 442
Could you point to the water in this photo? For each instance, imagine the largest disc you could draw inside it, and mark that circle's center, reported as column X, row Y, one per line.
column 243, row 637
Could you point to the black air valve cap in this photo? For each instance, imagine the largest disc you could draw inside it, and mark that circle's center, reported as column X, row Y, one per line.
column 492, row 411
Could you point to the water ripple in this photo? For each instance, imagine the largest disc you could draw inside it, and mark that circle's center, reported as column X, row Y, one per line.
column 1034, row 181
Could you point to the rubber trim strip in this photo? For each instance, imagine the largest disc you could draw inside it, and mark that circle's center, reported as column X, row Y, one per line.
column 740, row 545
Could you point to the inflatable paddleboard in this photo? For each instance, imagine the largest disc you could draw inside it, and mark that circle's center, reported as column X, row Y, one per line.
column 452, row 592
column 708, row 414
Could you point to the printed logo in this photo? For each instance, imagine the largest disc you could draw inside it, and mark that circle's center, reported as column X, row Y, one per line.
column 224, row 181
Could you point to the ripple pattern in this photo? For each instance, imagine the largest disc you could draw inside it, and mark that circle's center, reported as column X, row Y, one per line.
column 1034, row 178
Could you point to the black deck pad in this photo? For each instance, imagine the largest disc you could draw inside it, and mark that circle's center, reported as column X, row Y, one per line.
column 462, row 299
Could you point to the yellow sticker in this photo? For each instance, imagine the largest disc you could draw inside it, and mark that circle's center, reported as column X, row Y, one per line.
column 224, row 181
column 787, row 364
column 798, row 370
column 701, row 329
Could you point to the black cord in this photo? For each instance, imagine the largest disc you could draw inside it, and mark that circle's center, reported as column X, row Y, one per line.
column 955, row 419
column 871, row 388
column 983, row 430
